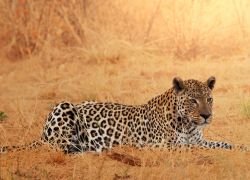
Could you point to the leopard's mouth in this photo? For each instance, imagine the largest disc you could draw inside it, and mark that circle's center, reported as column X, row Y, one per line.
column 202, row 122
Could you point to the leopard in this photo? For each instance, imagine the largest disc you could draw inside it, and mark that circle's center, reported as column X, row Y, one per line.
column 173, row 119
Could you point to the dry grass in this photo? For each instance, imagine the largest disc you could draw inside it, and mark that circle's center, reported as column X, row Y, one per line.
column 126, row 52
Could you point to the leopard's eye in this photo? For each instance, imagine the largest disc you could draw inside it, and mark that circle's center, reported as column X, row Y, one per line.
column 209, row 100
column 193, row 101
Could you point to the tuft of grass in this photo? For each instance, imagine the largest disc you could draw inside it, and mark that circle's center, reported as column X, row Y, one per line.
column 246, row 109
column 3, row 116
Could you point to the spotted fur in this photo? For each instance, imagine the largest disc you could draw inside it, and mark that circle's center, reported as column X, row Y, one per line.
column 172, row 119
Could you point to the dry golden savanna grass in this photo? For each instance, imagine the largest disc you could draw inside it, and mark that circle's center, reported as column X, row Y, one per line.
column 127, row 52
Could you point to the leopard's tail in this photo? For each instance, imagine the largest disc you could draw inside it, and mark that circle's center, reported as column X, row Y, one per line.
column 33, row 145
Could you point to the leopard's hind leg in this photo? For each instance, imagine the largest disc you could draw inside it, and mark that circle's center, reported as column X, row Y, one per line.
column 64, row 130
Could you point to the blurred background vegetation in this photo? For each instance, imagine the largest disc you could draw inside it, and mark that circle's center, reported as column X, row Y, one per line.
column 107, row 29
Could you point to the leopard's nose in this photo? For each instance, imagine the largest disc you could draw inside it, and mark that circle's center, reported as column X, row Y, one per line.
column 205, row 116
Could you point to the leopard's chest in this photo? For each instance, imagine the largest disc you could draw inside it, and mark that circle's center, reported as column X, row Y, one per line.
column 189, row 138
column 182, row 138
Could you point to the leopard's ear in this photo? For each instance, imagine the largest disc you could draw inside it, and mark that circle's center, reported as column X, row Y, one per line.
column 211, row 82
column 178, row 85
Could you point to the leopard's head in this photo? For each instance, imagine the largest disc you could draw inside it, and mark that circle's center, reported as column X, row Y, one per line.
column 194, row 99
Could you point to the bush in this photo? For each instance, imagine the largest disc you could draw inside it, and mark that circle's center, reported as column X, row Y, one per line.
column 3, row 116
